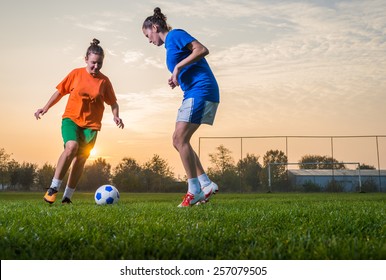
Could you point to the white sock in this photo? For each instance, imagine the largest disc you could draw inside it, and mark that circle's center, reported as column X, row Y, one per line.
column 68, row 192
column 194, row 186
column 204, row 180
column 56, row 184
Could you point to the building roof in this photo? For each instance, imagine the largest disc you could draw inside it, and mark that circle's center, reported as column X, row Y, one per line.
column 337, row 172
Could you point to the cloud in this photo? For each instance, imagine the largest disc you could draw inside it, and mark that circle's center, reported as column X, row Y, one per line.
column 323, row 62
column 97, row 26
column 105, row 21
column 147, row 109
column 111, row 52
column 211, row 8
column 155, row 62
column 132, row 56
column 319, row 40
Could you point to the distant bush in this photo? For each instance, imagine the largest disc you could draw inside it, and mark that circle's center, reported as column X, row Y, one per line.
column 369, row 185
column 310, row 186
column 334, row 186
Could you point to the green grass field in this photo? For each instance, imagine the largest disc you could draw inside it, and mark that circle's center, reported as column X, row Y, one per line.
column 271, row 226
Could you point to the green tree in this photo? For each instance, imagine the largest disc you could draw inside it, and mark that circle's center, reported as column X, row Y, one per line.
column 94, row 175
column 22, row 176
column 250, row 170
column 366, row 166
column 223, row 171
column 221, row 160
column 322, row 162
column 127, row 175
column 13, row 171
column 278, row 171
column 158, row 175
column 28, row 175
column 44, row 176
column 4, row 168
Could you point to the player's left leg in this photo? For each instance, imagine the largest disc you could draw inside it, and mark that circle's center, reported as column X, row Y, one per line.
column 204, row 112
column 208, row 186
column 181, row 141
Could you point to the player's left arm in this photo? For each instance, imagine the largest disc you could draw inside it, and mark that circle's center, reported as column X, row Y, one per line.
column 118, row 121
column 198, row 50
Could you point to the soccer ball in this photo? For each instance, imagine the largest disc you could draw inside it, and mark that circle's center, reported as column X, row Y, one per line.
column 106, row 194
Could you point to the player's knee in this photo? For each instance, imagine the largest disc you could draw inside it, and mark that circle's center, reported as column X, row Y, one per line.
column 176, row 144
column 82, row 158
column 71, row 149
column 178, row 141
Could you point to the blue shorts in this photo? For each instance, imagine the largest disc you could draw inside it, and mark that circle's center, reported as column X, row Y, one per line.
column 198, row 111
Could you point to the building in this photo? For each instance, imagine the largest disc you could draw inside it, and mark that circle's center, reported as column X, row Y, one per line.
column 350, row 180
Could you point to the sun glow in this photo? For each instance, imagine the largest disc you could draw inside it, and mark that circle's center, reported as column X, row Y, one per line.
column 93, row 152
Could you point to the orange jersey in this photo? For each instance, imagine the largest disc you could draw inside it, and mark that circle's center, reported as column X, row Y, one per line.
column 88, row 94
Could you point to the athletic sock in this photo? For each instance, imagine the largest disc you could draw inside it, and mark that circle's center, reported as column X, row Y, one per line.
column 204, row 180
column 68, row 192
column 56, row 184
column 194, row 186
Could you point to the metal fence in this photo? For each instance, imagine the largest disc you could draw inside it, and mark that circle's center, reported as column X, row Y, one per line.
column 364, row 149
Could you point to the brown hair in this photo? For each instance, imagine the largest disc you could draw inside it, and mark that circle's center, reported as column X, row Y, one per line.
column 158, row 19
column 95, row 48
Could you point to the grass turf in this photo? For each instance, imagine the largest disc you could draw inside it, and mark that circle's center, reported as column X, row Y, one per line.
column 232, row 226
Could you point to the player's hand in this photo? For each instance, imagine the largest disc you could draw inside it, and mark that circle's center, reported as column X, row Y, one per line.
column 119, row 122
column 39, row 113
column 171, row 83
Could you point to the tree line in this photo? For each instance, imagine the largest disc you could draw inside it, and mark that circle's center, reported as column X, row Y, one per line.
column 156, row 175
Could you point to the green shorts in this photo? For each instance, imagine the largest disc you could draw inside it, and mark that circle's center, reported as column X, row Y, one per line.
column 85, row 137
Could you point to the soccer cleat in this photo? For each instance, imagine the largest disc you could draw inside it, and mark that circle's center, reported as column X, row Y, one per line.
column 50, row 195
column 209, row 190
column 191, row 199
column 66, row 200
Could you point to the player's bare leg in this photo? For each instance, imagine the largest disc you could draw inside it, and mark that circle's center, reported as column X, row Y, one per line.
column 65, row 159
column 64, row 162
column 181, row 141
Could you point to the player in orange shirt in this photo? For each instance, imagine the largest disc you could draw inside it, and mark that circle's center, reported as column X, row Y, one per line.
column 88, row 90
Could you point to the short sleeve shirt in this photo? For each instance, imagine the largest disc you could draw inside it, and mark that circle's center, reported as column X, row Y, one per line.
column 87, row 95
column 196, row 79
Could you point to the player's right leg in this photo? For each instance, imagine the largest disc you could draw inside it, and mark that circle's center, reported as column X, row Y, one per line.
column 71, row 146
column 63, row 165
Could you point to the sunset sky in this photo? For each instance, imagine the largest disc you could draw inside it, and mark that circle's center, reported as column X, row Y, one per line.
column 284, row 68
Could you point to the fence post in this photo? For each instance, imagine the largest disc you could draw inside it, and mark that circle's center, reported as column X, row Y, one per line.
column 269, row 177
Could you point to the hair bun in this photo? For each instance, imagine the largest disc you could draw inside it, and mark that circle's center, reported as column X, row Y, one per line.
column 158, row 14
column 95, row 42
column 157, row 11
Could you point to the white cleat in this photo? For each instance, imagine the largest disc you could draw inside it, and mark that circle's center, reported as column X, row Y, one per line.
column 209, row 191
column 192, row 199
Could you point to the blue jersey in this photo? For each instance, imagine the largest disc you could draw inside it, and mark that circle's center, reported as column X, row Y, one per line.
column 197, row 79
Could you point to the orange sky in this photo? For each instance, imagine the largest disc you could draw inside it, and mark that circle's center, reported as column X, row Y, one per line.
column 284, row 68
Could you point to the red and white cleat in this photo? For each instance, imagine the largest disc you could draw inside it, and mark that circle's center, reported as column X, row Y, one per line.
column 191, row 199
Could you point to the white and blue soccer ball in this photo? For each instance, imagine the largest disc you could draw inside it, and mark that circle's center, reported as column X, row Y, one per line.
column 106, row 194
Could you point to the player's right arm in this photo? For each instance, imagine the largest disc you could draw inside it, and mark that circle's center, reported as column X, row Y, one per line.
column 51, row 102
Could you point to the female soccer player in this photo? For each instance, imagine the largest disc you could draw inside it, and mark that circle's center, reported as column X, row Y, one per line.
column 185, row 59
column 88, row 90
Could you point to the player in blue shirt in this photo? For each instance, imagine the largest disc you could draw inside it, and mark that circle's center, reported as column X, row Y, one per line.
column 185, row 59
